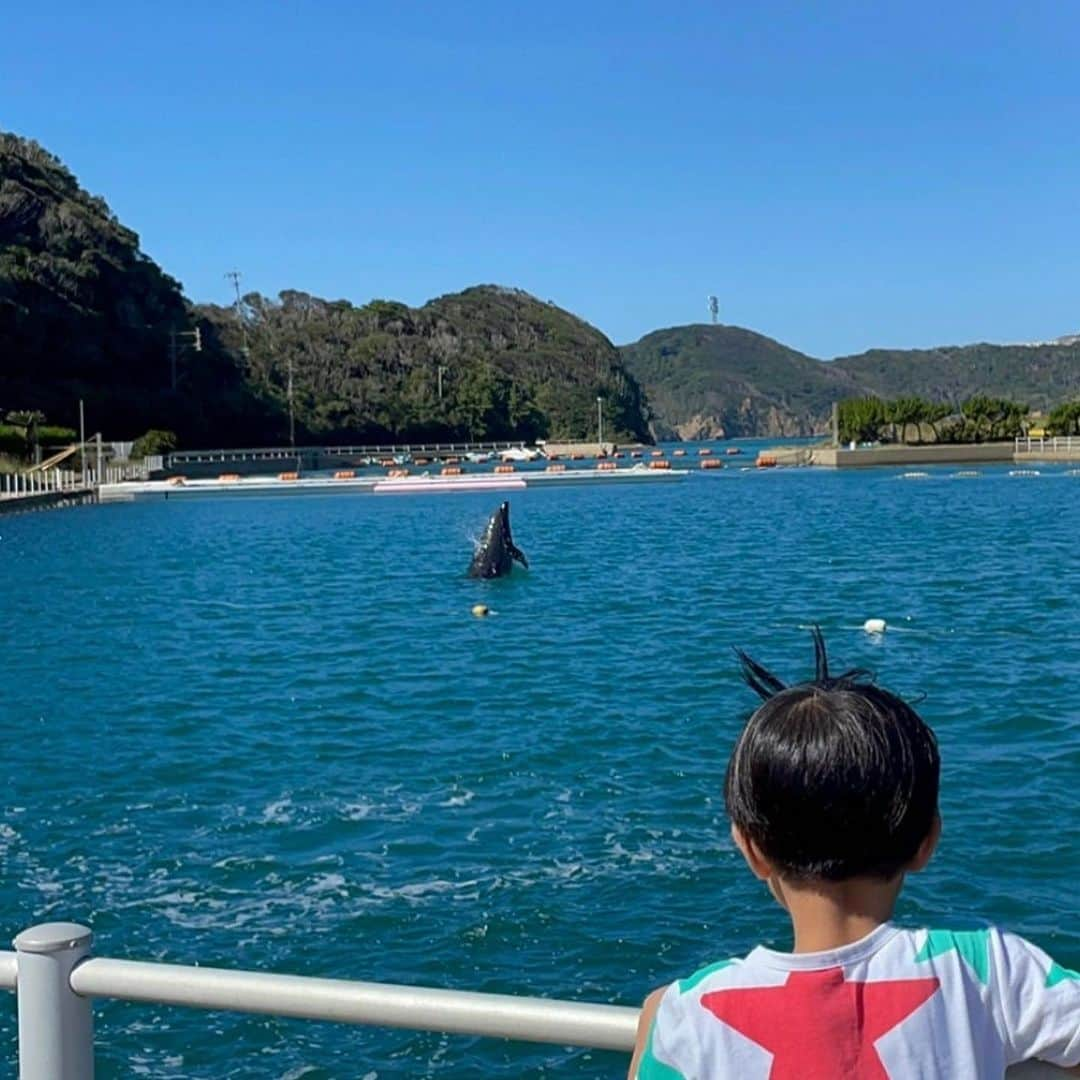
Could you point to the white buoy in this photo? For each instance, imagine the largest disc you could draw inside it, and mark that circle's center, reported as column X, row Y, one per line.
column 874, row 626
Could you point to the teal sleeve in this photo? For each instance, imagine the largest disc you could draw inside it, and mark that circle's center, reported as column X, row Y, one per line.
column 651, row 1067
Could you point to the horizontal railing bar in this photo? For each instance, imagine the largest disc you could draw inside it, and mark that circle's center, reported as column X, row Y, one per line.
column 566, row 1023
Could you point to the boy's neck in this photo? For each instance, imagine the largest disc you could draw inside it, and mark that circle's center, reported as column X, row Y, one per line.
column 830, row 914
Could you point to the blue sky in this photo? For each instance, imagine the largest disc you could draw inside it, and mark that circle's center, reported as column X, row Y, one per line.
column 841, row 175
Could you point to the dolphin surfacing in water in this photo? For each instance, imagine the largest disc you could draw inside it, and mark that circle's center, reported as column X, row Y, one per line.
column 496, row 553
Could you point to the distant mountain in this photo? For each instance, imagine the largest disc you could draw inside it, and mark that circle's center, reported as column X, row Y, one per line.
column 707, row 381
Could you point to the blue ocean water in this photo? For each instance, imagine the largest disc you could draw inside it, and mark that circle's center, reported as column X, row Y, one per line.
column 267, row 733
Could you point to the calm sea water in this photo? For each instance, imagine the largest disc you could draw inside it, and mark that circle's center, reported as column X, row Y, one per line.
column 269, row 734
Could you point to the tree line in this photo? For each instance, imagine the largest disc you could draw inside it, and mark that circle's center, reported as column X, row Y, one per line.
column 978, row 419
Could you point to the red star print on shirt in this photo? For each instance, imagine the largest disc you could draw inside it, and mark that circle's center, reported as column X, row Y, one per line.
column 817, row 1026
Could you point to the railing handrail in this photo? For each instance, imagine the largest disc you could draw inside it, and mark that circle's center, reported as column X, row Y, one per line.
column 1046, row 442
column 533, row 1019
column 465, row 1012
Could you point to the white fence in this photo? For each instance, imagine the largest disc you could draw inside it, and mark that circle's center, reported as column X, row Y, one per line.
column 55, row 978
column 1055, row 444
column 20, row 484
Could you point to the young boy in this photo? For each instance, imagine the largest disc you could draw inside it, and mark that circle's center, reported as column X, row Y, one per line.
column 832, row 790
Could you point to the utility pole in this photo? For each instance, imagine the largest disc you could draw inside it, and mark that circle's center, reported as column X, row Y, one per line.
column 234, row 276
column 441, row 370
column 600, row 422
column 175, row 345
column 292, row 414
column 82, row 443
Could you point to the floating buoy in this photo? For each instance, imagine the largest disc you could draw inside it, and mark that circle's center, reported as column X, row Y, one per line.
column 874, row 626
column 481, row 610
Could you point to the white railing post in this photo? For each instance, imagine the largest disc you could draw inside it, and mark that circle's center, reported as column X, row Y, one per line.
column 56, row 1040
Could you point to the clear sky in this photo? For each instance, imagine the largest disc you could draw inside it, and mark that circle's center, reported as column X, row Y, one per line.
column 839, row 174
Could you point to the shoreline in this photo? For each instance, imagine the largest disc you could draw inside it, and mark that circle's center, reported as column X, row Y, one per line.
column 832, row 457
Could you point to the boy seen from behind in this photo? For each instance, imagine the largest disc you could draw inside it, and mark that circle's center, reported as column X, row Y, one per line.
column 832, row 790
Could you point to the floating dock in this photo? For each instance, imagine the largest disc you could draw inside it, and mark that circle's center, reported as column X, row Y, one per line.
column 420, row 484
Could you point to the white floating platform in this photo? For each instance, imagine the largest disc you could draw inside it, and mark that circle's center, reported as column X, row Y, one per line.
column 421, row 484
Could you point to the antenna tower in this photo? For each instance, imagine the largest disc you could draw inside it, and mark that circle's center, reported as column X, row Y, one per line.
column 714, row 309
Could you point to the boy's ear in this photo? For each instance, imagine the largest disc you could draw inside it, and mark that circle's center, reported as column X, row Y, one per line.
column 927, row 847
column 760, row 866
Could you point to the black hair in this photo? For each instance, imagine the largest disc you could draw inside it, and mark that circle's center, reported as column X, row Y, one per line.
column 833, row 778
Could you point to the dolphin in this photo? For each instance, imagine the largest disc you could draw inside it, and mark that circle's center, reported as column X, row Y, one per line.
column 496, row 552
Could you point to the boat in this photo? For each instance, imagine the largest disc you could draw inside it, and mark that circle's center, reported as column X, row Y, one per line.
column 519, row 453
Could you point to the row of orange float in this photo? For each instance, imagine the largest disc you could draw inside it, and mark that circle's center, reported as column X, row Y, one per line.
column 607, row 463
column 398, row 473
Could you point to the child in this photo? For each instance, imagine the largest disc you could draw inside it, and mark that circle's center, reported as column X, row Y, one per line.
column 832, row 791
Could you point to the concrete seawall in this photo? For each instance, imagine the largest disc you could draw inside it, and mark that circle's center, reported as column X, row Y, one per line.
column 45, row 500
column 951, row 454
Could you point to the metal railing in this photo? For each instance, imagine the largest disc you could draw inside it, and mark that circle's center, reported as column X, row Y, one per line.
column 1057, row 444
column 55, row 978
column 19, row 485
column 284, row 453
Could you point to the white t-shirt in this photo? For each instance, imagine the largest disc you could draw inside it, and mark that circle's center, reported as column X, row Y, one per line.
column 897, row 1005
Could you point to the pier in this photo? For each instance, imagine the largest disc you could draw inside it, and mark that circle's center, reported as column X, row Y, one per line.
column 272, row 459
column 24, row 492
column 390, row 482
column 55, row 979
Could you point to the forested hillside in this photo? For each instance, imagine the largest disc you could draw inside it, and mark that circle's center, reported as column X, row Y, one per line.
column 704, row 381
column 508, row 365
column 85, row 314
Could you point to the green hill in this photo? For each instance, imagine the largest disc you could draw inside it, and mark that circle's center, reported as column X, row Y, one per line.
column 510, row 366
column 1039, row 376
column 85, row 314
column 707, row 381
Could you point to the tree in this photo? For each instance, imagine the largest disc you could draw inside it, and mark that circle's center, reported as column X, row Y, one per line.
column 992, row 418
column 29, row 420
column 862, row 419
column 154, row 442
column 936, row 411
column 1065, row 419
column 905, row 411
